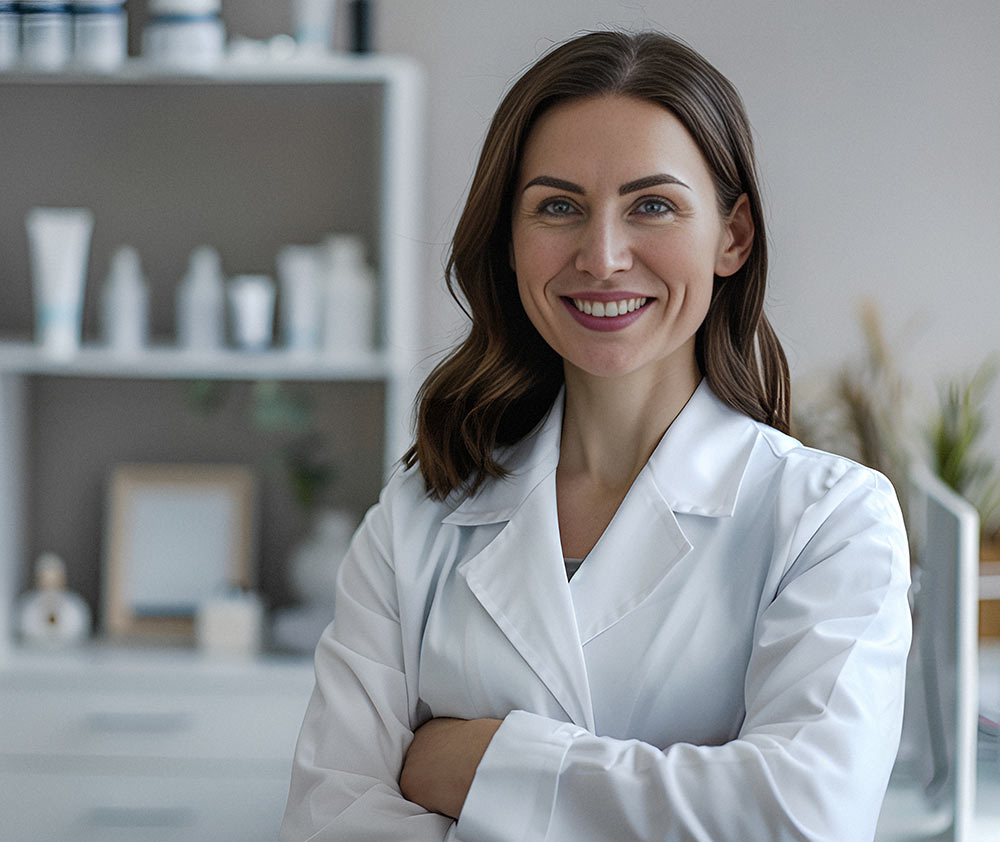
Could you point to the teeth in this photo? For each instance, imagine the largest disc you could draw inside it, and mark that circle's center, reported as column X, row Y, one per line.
column 610, row 308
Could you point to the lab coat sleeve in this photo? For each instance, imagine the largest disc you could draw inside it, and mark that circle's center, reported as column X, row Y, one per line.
column 823, row 697
column 356, row 731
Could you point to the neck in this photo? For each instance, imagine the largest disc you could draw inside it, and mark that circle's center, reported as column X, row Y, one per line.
column 611, row 426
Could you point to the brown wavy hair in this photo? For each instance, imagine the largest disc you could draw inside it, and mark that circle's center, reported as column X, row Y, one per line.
column 495, row 387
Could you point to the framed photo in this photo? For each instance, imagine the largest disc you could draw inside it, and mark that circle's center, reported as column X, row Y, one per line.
column 176, row 535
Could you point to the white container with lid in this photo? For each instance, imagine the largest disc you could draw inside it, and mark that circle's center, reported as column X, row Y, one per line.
column 46, row 34
column 100, row 34
column 185, row 34
column 10, row 35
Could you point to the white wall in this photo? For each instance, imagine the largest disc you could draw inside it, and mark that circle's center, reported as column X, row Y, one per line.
column 878, row 129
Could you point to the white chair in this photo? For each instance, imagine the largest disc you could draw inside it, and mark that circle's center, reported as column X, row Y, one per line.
column 932, row 792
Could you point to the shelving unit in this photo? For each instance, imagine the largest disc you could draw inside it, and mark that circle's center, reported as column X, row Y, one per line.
column 246, row 158
column 161, row 742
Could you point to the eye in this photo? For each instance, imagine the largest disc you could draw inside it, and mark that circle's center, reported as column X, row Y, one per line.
column 653, row 206
column 557, row 207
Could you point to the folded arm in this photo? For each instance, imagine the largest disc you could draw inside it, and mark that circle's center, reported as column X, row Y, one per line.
column 357, row 727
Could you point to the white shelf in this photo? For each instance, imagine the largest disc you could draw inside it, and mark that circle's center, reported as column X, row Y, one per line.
column 334, row 68
column 178, row 364
column 372, row 103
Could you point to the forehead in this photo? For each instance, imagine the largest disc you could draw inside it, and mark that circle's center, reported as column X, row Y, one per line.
column 611, row 137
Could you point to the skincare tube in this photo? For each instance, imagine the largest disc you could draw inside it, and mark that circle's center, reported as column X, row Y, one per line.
column 59, row 241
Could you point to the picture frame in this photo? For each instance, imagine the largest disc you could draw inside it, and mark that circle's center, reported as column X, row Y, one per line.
column 176, row 534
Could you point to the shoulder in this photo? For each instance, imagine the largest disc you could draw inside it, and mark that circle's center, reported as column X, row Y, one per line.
column 824, row 505
column 815, row 474
column 405, row 502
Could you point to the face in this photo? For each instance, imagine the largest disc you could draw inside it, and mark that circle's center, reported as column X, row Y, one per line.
column 617, row 237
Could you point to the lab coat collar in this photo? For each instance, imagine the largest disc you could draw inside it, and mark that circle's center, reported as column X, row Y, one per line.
column 699, row 463
column 519, row 577
column 528, row 463
column 697, row 468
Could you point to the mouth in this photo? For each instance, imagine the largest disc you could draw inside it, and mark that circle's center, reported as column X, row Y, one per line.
column 607, row 314
column 607, row 309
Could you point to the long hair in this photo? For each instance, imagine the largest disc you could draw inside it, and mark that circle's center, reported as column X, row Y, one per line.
column 495, row 387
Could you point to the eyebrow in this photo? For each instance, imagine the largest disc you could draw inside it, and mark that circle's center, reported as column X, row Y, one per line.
column 624, row 190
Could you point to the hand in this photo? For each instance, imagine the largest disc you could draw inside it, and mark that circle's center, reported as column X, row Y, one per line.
column 442, row 760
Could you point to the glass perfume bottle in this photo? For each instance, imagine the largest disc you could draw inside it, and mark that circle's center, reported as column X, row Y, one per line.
column 51, row 614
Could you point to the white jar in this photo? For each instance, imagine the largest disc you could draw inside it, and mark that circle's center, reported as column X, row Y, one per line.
column 185, row 34
column 10, row 35
column 46, row 34
column 251, row 303
column 100, row 34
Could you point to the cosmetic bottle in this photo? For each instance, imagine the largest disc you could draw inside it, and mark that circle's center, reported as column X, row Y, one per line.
column 201, row 314
column 50, row 614
column 185, row 34
column 125, row 303
column 46, row 34
column 100, row 34
column 300, row 272
column 349, row 321
column 251, row 306
column 59, row 243
column 10, row 36
column 314, row 25
column 361, row 26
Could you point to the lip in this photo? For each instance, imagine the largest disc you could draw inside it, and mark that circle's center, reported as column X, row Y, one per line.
column 604, row 324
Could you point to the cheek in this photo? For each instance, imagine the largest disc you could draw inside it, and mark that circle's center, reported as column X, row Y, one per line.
column 531, row 296
column 690, row 263
column 533, row 265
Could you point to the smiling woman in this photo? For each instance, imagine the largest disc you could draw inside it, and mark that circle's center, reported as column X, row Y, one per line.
column 503, row 378
column 608, row 597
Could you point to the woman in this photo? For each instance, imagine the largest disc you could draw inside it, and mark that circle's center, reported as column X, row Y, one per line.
column 609, row 598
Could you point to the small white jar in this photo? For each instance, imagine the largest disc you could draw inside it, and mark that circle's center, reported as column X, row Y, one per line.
column 251, row 302
column 46, row 34
column 100, row 34
column 10, row 35
column 185, row 34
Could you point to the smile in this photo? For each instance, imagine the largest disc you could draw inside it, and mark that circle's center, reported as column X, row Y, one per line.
column 608, row 309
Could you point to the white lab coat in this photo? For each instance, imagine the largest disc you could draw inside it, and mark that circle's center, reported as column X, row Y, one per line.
column 727, row 664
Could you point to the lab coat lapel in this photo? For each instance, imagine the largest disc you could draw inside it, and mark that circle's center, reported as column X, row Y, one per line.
column 520, row 580
column 640, row 547
column 519, row 577
column 697, row 469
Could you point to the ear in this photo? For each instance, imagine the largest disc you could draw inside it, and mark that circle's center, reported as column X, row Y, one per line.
column 736, row 240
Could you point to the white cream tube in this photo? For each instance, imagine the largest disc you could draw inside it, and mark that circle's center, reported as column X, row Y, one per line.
column 59, row 240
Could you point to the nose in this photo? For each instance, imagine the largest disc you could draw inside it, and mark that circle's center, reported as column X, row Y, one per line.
column 604, row 248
